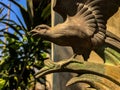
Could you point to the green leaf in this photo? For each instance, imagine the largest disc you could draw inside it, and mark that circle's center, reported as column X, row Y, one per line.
column 2, row 30
column 1, row 10
column 2, row 82
column 2, row 42
column 30, row 10
column 3, row 17
column 13, row 12
column 6, row 6
column 8, row 20
column 22, row 53
column 11, row 35
column 24, row 13
column 46, row 11
column 44, row 54
column 15, row 28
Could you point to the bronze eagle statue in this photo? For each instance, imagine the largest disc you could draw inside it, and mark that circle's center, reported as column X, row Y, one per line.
column 84, row 26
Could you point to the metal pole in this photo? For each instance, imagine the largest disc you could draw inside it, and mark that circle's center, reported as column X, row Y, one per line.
column 52, row 25
column 50, row 76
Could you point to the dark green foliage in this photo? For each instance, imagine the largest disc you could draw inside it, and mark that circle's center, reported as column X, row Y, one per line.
column 22, row 55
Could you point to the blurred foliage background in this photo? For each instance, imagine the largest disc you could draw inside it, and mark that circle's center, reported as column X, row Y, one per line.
column 22, row 55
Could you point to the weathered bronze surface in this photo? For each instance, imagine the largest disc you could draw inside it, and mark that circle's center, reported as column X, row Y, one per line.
column 99, row 76
column 84, row 29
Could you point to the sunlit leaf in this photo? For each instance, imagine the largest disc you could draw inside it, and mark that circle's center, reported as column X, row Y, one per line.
column 2, row 82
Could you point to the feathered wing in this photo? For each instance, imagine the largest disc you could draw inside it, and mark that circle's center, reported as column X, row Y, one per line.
column 69, row 7
column 90, row 16
column 111, row 47
column 96, row 26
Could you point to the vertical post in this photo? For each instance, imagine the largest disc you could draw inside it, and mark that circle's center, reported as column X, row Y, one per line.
column 58, row 80
column 52, row 25
column 50, row 76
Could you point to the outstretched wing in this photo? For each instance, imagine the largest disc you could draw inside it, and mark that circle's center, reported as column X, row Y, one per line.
column 69, row 7
column 89, row 16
